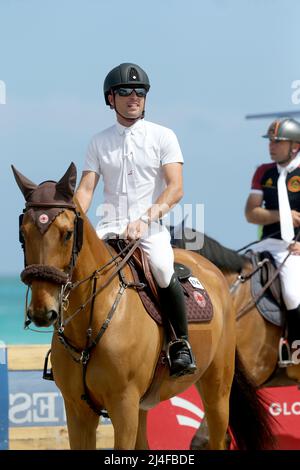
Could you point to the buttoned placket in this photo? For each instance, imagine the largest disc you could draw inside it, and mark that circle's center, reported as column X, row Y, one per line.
column 128, row 176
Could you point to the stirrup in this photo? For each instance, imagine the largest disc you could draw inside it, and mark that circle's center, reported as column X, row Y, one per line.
column 182, row 342
column 172, row 343
column 284, row 345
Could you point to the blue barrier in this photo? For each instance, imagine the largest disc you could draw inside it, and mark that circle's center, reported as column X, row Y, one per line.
column 3, row 398
column 34, row 401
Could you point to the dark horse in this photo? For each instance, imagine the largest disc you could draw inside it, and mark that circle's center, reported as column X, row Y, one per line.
column 106, row 347
column 257, row 339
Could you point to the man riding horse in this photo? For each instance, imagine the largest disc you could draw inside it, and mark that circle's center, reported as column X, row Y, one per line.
column 274, row 203
column 141, row 165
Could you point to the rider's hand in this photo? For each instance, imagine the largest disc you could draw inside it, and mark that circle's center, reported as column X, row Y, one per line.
column 294, row 248
column 136, row 230
column 296, row 218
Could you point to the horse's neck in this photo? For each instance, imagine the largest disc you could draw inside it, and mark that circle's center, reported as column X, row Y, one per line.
column 93, row 254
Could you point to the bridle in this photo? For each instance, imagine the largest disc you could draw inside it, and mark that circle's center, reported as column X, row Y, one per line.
column 50, row 273
column 64, row 278
column 45, row 272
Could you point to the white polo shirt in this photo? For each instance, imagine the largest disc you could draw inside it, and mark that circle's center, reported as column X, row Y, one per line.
column 130, row 160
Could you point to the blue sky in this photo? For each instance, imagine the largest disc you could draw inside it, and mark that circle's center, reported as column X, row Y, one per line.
column 210, row 63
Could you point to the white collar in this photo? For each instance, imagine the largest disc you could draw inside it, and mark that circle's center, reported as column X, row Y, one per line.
column 138, row 126
column 291, row 166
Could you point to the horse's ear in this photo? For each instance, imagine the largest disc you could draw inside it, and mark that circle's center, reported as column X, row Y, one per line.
column 26, row 186
column 66, row 185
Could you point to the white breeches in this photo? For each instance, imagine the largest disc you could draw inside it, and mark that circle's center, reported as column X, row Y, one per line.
column 289, row 273
column 157, row 246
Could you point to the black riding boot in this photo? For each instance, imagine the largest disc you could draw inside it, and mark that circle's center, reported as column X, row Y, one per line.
column 293, row 324
column 173, row 306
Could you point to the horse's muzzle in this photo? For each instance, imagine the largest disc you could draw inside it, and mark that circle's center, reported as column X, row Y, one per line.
column 42, row 318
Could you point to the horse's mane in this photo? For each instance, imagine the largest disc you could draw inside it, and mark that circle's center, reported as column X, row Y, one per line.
column 224, row 258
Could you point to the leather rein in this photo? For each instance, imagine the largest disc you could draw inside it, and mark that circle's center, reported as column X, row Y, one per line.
column 243, row 278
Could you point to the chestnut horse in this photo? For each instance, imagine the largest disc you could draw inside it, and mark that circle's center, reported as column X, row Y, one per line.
column 106, row 345
column 257, row 339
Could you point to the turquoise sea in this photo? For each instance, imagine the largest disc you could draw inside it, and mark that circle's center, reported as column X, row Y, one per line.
column 12, row 302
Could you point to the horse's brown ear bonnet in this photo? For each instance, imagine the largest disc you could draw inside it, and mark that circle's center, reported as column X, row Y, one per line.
column 44, row 202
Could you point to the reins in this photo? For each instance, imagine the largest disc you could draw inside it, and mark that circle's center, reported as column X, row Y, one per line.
column 253, row 301
column 243, row 278
column 69, row 287
column 84, row 354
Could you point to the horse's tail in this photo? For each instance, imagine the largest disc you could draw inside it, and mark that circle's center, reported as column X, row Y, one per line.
column 249, row 420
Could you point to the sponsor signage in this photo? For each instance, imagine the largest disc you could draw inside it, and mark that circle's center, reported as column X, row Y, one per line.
column 173, row 423
column 33, row 401
column 284, row 406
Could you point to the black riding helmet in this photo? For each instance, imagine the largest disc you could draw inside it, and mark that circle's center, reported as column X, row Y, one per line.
column 126, row 75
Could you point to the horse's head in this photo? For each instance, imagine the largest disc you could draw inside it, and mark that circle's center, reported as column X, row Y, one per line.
column 51, row 236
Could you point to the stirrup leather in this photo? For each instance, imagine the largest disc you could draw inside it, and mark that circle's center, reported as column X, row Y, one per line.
column 47, row 373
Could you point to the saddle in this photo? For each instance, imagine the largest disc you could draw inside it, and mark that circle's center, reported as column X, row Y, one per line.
column 198, row 304
column 270, row 304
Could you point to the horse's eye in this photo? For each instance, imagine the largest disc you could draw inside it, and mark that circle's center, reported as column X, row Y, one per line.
column 68, row 235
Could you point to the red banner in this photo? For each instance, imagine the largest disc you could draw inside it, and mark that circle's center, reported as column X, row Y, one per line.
column 173, row 423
